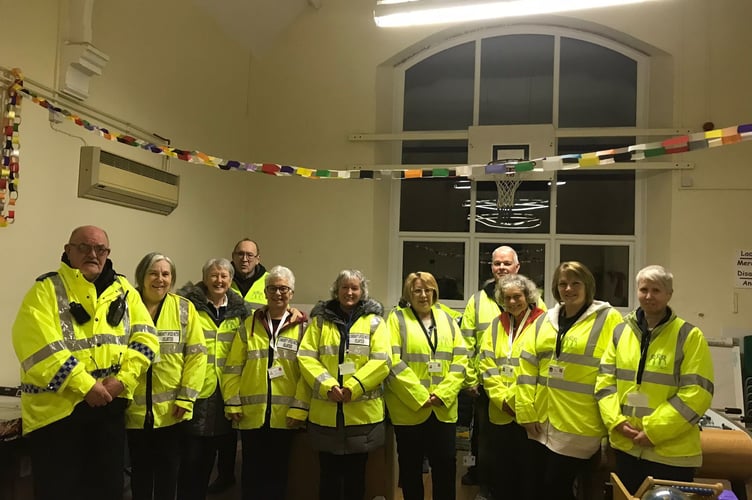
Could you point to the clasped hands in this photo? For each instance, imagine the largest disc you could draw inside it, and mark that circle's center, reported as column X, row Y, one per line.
column 433, row 400
column 104, row 391
column 637, row 436
column 339, row 394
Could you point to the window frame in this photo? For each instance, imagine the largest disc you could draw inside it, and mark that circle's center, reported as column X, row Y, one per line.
column 551, row 241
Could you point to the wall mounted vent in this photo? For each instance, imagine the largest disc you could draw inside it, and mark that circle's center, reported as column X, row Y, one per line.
column 107, row 177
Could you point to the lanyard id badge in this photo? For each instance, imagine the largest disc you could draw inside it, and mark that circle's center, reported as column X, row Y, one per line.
column 346, row 368
column 555, row 371
column 275, row 372
column 168, row 336
column 507, row 371
column 434, row 367
column 637, row 399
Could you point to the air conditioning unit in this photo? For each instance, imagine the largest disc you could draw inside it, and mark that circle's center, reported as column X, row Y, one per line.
column 113, row 179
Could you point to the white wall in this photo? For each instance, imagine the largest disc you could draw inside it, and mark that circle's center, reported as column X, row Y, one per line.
column 173, row 72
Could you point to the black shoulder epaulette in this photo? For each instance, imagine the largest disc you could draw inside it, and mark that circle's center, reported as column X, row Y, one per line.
column 46, row 275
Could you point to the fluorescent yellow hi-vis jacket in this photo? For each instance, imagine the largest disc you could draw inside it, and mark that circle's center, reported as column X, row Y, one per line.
column 218, row 338
column 255, row 296
column 61, row 359
column 253, row 380
column 559, row 392
column 421, row 368
column 480, row 310
column 177, row 374
column 676, row 389
column 499, row 362
column 355, row 357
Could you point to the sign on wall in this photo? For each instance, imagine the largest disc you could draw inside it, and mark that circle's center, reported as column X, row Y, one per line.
column 743, row 268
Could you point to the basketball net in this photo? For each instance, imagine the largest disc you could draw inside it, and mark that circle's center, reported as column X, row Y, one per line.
column 507, row 188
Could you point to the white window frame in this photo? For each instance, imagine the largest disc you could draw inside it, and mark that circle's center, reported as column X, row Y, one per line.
column 551, row 240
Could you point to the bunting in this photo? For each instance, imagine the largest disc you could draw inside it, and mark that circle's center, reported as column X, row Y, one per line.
column 629, row 154
column 11, row 152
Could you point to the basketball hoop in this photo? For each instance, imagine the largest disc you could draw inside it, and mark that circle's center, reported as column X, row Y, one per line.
column 507, row 188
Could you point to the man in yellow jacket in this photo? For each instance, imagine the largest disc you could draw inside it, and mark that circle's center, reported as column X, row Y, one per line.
column 83, row 338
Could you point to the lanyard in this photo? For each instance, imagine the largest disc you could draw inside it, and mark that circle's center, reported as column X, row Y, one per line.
column 428, row 331
column 274, row 337
column 516, row 333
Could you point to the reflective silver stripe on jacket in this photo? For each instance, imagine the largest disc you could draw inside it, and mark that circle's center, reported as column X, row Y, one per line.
column 225, row 337
column 331, row 350
column 171, row 348
column 210, row 334
column 233, row 369
column 308, row 354
column 57, row 380
column 187, row 393
column 42, row 354
column 258, row 399
column 63, row 309
column 257, row 354
column 567, row 385
column 162, row 397
column 618, row 332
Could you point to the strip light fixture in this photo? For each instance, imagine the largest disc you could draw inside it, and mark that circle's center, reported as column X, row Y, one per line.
column 399, row 13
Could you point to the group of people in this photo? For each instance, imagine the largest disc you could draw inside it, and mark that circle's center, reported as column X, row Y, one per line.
column 185, row 372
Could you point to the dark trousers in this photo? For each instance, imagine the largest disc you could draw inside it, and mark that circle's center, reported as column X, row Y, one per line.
column 155, row 459
column 196, row 464
column 432, row 439
column 82, row 456
column 514, row 471
column 266, row 454
column 342, row 477
column 556, row 473
column 632, row 471
column 480, row 444
column 227, row 451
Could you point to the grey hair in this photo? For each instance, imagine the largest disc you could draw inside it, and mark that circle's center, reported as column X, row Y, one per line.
column 281, row 272
column 347, row 274
column 505, row 248
column 220, row 263
column 149, row 260
column 656, row 274
column 525, row 284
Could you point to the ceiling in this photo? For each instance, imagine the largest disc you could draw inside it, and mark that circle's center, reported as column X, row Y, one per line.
column 256, row 24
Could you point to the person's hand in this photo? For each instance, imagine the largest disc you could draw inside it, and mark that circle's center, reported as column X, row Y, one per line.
column 473, row 391
column 346, row 395
column 508, row 409
column 642, row 439
column 428, row 403
column 235, row 417
column 335, row 394
column 435, row 400
column 533, row 428
column 178, row 412
column 295, row 314
column 626, row 430
column 113, row 386
column 98, row 395
column 294, row 423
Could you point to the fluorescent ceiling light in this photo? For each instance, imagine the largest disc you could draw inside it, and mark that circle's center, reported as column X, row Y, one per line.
column 394, row 13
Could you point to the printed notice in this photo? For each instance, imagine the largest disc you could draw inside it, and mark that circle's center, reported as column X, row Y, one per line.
column 743, row 268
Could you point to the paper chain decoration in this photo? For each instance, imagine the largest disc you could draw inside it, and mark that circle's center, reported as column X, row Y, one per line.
column 11, row 147
column 12, row 119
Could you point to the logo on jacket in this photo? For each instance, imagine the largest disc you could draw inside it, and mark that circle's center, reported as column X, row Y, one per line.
column 658, row 359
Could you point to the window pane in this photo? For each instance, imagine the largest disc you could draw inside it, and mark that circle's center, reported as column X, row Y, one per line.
column 598, row 86
column 595, row 201
column 434, row 205
column 445, row 260
column 434, row 152
column 532, row 257
column 531, row 212
column 610, row 267
column 516, row 80
column 439, row 91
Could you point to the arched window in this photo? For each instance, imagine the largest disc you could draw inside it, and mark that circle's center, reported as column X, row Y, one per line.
column 561, row 87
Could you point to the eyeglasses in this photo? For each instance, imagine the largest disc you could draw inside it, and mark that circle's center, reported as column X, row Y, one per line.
column 423, row 291
column 283, row 290
column 85, row 248
column 571, row 284
column 245, row 255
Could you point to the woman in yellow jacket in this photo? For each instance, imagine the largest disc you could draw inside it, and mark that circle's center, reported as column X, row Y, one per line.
column 264, row 393
column 429, row 360
column 344, row 358
column 499, row 359
column 222, row 312
column 655, row 383
column 165, row 396
column 555, row 397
